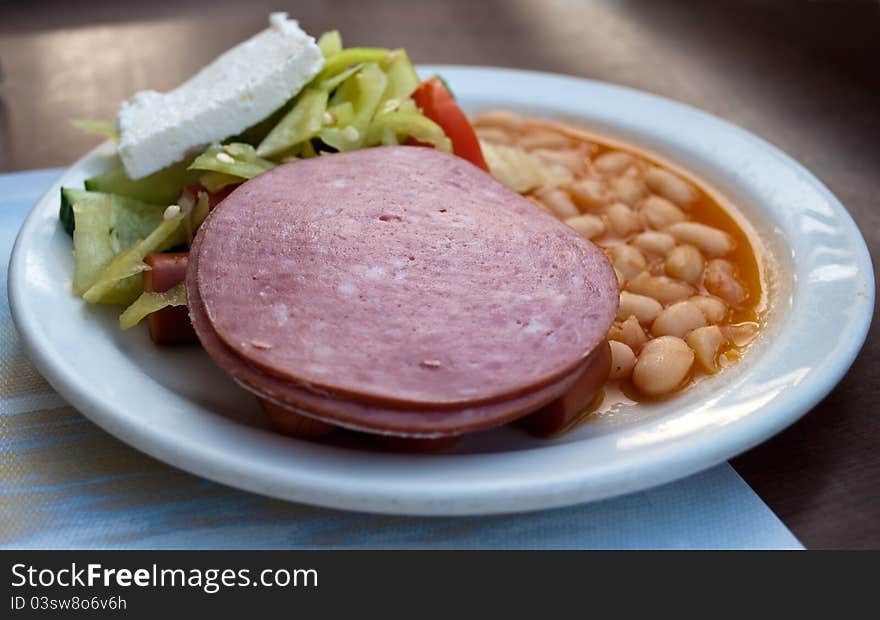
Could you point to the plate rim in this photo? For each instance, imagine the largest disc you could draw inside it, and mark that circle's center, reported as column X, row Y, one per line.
column 477, row 499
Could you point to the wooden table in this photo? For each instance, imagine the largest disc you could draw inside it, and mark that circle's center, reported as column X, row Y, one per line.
column 803, row 75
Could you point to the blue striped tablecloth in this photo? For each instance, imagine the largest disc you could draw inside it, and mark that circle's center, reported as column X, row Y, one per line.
column 65, row 483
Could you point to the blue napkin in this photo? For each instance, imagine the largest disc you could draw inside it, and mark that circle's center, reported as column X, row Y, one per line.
column 65, row 483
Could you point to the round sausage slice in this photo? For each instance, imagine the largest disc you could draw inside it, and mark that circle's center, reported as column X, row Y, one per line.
column 355, row 415
column 401, row 277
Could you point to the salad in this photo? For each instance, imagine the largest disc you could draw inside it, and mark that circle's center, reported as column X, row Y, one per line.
column 360, row 97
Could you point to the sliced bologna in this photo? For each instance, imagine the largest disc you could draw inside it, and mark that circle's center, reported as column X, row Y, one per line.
column 397, row 279
column 355, row 415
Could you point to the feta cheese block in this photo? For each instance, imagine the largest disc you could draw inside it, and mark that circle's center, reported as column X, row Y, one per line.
column 235, row 91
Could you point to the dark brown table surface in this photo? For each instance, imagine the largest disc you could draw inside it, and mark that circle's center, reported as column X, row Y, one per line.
column 804, row 75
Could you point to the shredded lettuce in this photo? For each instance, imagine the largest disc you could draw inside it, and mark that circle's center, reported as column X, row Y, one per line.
column 341, row 114
column 236, row 159
column 402, row 77
column 364, row 92
column 150, row 302
column 330, row 43
column 331, row 84
column 390, row 127
column 302, row 123
column 343, row 59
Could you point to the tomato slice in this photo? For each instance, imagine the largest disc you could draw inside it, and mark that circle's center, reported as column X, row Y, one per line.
column 438, row 104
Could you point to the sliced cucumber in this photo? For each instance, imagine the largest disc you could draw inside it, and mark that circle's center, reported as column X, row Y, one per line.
column 69, row 197
column 106, row 226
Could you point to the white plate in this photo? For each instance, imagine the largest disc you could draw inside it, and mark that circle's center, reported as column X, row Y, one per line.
column 174, row 404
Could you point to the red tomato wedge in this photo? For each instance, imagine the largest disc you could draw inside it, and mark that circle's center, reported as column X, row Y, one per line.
column 438, row 104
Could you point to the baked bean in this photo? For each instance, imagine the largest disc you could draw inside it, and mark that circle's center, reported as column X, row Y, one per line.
column 627, row 259
column 710, row 240
column 622, row 360
column 675, row 284
column 659, row 213
column 662, row 288
column 588, row 226
column 612, row 162
column 571, row 159
column 685, row 263
column 622, row 220
column 663, row 365
column 628, row 190
column 500, row 118
column 706, row 342
column 630, row 333
column 540, row 204
column 712, row 308
column 668, row 185
column 494, row 135
column 558, row 202
column 677, row 320
column 588, row 193
column 654, row 242
column 720, row 280
column 645, row 309
column 540, row 139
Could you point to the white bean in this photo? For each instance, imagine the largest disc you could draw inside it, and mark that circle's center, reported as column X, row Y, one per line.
column 710, row 240
column 540, row 204
column 540, row 139
column 659, row 213
column 685, row 263
column 572, row 159
column 495, row 135
column 627, row 259
column 662, row 288
column 678, row 319
column 612, row 162
column 706, row 342
column 622, row 360
column 670, row 186
column 645, row 309
column 622, row 220
column 628, row 190
column 620, row 279
column 630, row 333
column 712, row 308
column 500, row 118
column 588, row 193
column 588, row 226
column 654, row 242
column 720, row 280
column 663, row 365
column 558, row 202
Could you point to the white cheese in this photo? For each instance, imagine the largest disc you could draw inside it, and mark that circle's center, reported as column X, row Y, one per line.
column 235, row 91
